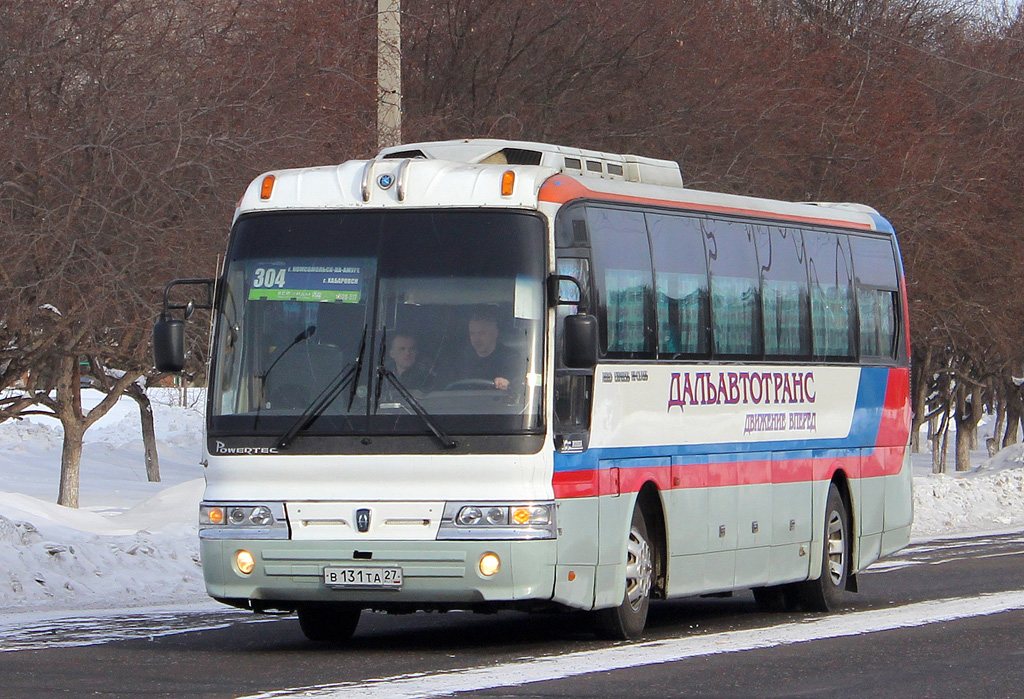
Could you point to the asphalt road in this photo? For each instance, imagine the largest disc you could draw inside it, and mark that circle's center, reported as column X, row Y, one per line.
column 942, row 619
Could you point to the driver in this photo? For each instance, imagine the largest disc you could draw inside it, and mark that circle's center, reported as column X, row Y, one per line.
column 488, row 360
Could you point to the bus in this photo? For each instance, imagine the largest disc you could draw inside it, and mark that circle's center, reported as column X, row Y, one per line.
column 488, row 375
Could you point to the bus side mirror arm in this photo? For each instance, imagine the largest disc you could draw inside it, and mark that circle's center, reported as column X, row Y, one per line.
column 555, row 293
column 169, row 332
column 579, row 332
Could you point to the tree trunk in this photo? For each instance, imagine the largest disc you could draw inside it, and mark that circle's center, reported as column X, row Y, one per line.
column 937, row 435
column 69, row 411
column 921, row 385
column 138, row 394
column 967, row 417
column 993, row 443
column 67, row 406
column 70, row 463
column 1014, row 408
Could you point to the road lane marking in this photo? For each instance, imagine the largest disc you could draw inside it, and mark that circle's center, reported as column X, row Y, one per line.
column 556, row 667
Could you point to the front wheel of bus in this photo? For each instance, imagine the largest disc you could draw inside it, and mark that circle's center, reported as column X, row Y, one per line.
column 327, row 622
column 826, row 593
column 629, row 618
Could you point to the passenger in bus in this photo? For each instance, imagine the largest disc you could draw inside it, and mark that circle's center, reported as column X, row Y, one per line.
column 404, row 355
column 488, row 360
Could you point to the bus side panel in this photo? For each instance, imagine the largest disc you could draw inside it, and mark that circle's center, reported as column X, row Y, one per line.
column 687, row 515
column 899, row 507
column 616, row 513
column 791, row 516
column 577, row 552
column 870, row 522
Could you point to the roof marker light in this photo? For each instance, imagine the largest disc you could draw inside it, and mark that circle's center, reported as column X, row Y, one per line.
column 267, row 187
column 508, row 181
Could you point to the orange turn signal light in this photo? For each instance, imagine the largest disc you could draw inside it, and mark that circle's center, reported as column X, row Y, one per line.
column 508, row 181
column 267, row 187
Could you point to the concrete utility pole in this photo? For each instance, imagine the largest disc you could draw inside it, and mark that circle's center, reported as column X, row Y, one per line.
column 389, row 73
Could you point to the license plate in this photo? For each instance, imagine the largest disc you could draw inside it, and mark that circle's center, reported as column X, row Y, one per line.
column 363, row 576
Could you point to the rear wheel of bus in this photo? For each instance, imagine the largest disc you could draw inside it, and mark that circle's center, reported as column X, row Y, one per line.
column 629, row 618
column 329, row 622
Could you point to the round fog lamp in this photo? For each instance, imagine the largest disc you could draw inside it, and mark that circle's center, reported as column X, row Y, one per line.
column 489, row 564
column 245, row 562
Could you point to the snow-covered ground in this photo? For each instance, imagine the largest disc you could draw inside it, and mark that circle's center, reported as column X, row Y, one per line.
column 134, row 543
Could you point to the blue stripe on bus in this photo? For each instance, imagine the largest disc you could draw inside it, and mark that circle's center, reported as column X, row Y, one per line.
column 882, row 224
column 863, row 433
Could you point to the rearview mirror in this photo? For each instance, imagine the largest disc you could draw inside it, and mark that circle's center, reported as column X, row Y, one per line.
column 169, row 344
column 579, row 341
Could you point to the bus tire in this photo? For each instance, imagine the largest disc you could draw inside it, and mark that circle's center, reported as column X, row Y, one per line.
column 629, row 618
column 825, row 594
column 329, row 622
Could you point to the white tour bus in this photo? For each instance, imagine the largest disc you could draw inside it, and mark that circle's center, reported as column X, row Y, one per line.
column 494, row 375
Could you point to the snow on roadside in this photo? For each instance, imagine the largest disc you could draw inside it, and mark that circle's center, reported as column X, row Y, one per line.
column 989, row 498
column 131, row 543
column 135, row 543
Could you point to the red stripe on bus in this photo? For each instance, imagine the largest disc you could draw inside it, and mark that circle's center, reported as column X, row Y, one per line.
column 881, row 461
column 561, row 189
column 894, row 427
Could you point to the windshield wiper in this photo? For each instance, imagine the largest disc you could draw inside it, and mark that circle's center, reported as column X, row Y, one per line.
column 301, row 337
column 384, row 373
column 348, row 376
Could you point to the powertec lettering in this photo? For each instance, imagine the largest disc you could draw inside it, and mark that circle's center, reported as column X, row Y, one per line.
column 740, row 388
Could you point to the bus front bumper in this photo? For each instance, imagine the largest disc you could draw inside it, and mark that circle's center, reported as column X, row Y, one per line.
column 435, row 574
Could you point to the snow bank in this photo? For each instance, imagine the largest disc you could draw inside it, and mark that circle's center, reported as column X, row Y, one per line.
column 132, row 542
column 989, row 498
column 53, row 556
column 135, row 543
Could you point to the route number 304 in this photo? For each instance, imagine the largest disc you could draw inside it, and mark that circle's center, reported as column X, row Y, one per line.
column 266, row 278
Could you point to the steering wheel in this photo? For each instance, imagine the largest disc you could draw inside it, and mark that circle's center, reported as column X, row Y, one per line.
column 469, row 384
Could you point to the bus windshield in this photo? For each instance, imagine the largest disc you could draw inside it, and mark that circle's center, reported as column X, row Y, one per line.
column 366, row 321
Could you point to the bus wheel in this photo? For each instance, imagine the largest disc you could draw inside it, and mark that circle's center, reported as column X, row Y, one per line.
column 629, row 618
column 826, row 593
column 329, row 622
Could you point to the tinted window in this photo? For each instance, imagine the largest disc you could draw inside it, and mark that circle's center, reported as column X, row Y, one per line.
column 735, row 309
column 312, row 298
column 785, row 300
column 680, row 285
column 877, row 293
column 831, row 279
column 622, row 273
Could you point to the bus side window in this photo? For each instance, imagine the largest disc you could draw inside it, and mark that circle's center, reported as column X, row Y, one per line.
column 680, row 285
column 622, row 272
column 831, row 278
column 735, row 287
column 877, row 296
column 785, row 301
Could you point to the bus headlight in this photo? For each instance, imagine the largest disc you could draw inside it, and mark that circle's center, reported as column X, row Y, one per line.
column 498, row 521
column 242, row 521
column 469, row 516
